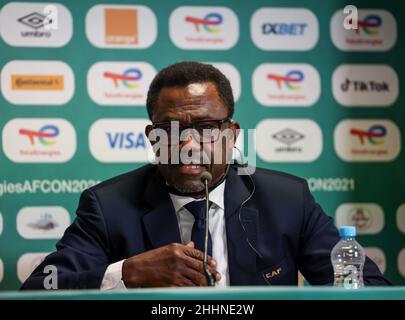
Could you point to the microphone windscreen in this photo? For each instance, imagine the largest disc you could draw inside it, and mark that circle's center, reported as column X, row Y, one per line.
column 206, row 176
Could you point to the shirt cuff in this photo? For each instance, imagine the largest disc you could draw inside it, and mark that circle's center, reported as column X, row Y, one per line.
column 113, row 277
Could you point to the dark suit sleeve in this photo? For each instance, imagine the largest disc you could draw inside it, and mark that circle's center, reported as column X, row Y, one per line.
column 82, row 254
column 318, row 237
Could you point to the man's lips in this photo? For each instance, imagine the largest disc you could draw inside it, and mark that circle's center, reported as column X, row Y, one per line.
column 191, row 168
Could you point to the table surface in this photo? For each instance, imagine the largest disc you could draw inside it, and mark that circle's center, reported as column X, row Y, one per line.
column 231, row 293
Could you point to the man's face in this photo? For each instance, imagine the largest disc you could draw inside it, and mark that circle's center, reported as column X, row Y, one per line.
column 189, row 105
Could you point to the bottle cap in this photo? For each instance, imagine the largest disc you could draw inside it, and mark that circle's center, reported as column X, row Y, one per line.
column 347, row 232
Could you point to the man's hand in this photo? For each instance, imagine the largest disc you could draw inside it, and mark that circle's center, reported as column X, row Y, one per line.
column 172, row 265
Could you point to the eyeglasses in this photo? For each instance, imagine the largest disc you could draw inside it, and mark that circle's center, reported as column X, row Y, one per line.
column 208, row 131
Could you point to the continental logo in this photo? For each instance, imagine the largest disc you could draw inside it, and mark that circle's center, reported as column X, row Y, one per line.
column 39, row 82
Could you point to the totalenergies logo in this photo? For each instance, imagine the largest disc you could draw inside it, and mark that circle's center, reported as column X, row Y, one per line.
column 208, row 22
column 373, row 134
column 290, row 79
column 129, row 78
column 369, row 25
column 44, row 134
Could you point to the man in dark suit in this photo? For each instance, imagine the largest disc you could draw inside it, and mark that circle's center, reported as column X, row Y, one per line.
column 145, row 228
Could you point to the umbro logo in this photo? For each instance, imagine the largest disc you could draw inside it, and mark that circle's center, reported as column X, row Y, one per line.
column 35, row 20
column 288, row 136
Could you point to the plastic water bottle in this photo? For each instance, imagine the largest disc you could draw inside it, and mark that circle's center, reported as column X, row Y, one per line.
column 348, row 260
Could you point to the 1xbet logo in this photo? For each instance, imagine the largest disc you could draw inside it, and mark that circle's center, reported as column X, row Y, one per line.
column 291, row 29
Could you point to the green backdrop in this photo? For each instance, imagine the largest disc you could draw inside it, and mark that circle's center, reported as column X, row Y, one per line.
column 368, row 182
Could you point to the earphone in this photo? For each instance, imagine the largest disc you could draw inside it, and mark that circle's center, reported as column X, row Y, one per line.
column 244, row 165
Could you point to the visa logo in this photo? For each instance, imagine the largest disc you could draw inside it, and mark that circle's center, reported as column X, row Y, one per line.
column 292, row 29
column 126, row 140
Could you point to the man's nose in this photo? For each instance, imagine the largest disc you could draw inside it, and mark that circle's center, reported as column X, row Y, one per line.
column 191, row 141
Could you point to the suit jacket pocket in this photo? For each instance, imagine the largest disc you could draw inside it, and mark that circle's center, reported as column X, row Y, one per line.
column 280, row 273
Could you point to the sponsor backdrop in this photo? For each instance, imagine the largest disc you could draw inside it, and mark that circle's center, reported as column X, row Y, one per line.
column 324, row 100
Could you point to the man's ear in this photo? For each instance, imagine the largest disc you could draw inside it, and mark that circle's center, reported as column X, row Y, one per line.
column 236, row 129
column 148, row 129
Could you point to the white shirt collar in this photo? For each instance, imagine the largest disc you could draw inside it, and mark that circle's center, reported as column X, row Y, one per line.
column 216, row 196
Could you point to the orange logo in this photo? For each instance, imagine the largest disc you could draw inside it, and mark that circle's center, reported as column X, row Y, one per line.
column 121, row 26
column 37, row 82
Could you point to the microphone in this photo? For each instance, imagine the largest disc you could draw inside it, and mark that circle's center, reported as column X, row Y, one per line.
column 206, row 178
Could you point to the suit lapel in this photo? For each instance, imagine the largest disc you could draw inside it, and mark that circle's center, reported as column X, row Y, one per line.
column 241, row 257
column 161, row 225
column 160, row 221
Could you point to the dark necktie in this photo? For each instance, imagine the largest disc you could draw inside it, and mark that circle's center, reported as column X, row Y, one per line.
column 197, row 209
